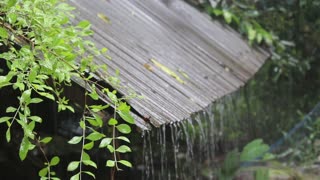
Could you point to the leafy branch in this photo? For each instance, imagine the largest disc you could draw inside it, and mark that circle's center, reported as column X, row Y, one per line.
column 44, row 51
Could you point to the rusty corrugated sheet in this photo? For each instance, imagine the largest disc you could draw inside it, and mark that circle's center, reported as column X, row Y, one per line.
column 178, row 59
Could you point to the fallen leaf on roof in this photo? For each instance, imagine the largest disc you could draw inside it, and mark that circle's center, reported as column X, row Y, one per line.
column 167, row 70
column 183, row 73
column 104, row 17
column 148, row 67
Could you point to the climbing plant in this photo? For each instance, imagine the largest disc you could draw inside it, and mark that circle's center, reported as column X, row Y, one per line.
column 43, row 51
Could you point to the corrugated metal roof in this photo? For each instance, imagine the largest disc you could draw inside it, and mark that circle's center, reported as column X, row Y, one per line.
column 178, row 59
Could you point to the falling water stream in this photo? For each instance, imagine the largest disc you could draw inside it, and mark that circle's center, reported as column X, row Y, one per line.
column 188, row 149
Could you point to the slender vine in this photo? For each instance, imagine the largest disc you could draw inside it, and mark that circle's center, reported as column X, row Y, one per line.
column 43, row 52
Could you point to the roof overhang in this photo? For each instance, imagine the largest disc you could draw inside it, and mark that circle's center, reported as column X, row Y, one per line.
column 176, row 57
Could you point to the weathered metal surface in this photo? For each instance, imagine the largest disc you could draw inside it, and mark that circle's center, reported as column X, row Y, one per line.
column 178, row 59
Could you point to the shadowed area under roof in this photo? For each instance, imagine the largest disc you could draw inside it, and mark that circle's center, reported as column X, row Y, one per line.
column 178, row 59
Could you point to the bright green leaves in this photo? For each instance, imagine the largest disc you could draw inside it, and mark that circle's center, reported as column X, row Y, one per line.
column 3, row 34
column 94, row 136
column 44, row 65
column 126, row 116
column 86, row 160
column 104, row 142
column 253, row 150
column 126, row 163
column 226, row 14
column 25, row 147
column 5, row 80
column 124, row 113
column 11, row 3
column 47, row 170
column 123, row 128
column 54, row 161
column 46, row 140
column 75, row 140
column 123, row 149
column 25, row 97
column 73, row 165
column 254, row 32
column 8, row 135
column 63, row 105
column 112, row 122
column 47, row 95
column 110, row 163
column 5, row 119
column 84, row 24
column 123, row 139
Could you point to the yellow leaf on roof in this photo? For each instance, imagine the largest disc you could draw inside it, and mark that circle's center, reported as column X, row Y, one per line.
column 167, row 70
column 103, row 17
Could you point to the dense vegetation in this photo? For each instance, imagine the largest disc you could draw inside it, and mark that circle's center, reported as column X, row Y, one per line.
column 41, row 52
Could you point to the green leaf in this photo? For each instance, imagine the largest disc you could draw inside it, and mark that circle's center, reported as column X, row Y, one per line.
column 97, row 108
column 112, row 122
column 93, row 122
column 251, row 34
column 167, row 70
column 43, row 172
column 85, row 156
column 124, row 128
column 94, row 136
column 36, row 100
column 253, row 150
column 46, row 140
column 231, row 163
column 35, row 118
column 4, row 81
column 269, row 156
column 3, row 33
column 94, row 95
column 123, row 149
column 11, row 109
column 84, row 24
column 25, row 97
column 112, row 96
column 47, row 95
column 110, row 163
column 54, row 161
column 90, row 174
column 104, row 142
column 8, row 135
column 227, row 16
column 75, row 177
column 32, row 75
column 5, row 119
column 126, row 116
column 24, row 148
column 110, row 148
column 11, row 3
column 126, row 163
column 123, row 138
column 75, row 140
column 73, row 165
column 88, row 146
column 90, row 163
column 82, row 124
column 19, row 85
column 217, row 12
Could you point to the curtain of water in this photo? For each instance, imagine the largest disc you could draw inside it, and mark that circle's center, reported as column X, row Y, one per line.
column 187, row 150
